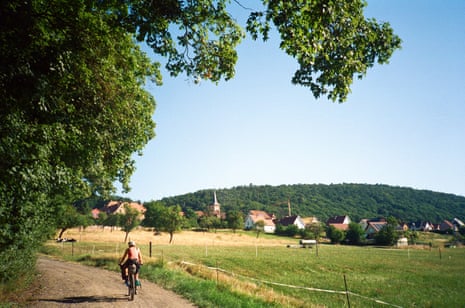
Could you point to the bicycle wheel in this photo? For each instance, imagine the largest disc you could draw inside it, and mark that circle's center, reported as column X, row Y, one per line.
column 132, row 286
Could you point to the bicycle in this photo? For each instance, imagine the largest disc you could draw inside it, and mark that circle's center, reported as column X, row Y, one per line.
column 132, row 287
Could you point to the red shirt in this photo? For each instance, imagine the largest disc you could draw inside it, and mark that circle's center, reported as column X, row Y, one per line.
column 133, row 253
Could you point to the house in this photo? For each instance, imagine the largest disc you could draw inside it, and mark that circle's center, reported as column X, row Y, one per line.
column 339, row 222
column 402, row 227
column 292, row 220
column 255, row 216
column 446, row 226
column 457, row 223
column 311, row 220
column 119, row 207
column 373, row 228
column 364, row 222
column 422, row 226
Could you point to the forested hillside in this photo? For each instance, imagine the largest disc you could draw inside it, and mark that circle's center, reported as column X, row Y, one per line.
column 323, row 201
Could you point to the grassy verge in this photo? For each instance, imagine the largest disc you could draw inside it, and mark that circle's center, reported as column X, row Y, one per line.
column 213, row 274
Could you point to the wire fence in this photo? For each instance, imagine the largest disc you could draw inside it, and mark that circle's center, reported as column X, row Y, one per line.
column 339, row 292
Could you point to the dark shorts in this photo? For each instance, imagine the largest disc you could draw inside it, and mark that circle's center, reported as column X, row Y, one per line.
column 132, row 261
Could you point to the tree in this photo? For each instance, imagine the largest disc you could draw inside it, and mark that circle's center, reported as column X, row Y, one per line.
column 335, row 235
column 259, row 227
column 332, row 41
column 388, row 235
column 129, row 220
column 74, row 106
column 73, row 112
column 163, row 218
column 235, row 220
column 206, row 222
column 355, row 234
column 68, row 217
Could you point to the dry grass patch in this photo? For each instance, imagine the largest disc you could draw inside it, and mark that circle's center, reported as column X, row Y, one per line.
column 235, row 284
column 145, row 236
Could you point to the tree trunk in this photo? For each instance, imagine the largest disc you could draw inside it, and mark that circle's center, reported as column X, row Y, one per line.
column 62, row 231
column 171, row 236
column 126, row 237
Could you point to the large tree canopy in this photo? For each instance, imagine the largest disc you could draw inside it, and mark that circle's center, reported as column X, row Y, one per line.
column 73, row 105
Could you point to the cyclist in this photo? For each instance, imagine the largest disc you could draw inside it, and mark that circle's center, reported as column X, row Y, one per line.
column 133, row 257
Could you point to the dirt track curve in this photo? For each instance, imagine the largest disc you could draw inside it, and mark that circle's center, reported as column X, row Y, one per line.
column 64, row 284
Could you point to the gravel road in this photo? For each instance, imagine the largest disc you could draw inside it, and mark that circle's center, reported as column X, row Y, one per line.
column 64, row 284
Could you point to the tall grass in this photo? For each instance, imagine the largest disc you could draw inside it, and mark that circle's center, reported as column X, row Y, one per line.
column 266, row 275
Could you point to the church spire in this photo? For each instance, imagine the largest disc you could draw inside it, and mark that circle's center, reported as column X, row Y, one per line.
column 215, row 201
column 215, row 208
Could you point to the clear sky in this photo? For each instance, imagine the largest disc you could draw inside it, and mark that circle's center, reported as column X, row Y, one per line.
column 402, row 125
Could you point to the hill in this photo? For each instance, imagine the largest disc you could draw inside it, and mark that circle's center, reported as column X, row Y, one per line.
column 323, row 201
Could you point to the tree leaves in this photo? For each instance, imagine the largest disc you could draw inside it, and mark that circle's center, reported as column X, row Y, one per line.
column 331, row 41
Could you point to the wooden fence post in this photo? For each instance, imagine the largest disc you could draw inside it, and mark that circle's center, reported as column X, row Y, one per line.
column 347, row 291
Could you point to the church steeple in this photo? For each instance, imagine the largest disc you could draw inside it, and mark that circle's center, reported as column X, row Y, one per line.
column 215, row 208
column 215, row 201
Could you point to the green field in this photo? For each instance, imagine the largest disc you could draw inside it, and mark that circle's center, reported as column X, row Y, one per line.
column 274, row 275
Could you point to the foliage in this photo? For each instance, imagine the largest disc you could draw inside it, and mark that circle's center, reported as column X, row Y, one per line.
column 388, row 235
column 67, row 216
column 291, row 230
column 73, row 112
column 354, row 234
column 129, row 220
column 336, row 236
column 462, row 230
column 325, row 201
column 259, row 227
column 235, row 220
column 332, row 41
column 164, row 218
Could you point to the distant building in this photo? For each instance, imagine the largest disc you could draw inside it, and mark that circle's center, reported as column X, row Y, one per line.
column 255, row 216
column 422, row 226
column 457, row 223
column 292, row 220
column 446, row 226
column 214, row 209
column 310, row 220
column 373, row 228
column 339, row 222
column 119, row 207
column 364, row 222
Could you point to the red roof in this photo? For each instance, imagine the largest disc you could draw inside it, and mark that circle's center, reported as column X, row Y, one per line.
column 342, row 227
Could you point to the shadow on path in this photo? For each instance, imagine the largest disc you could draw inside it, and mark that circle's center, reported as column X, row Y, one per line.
column 86, row 299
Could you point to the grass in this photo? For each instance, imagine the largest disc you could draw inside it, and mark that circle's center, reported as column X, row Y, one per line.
column 238, row 270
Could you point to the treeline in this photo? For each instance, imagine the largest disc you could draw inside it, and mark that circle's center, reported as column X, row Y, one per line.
column 323, row 201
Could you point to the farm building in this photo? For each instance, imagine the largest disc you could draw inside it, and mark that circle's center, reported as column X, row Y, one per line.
column 292, row 220
column 119, row 207
column 255, row 216
column 339, row 222
column 374, row 227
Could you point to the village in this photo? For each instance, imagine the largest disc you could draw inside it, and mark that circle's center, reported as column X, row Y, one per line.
column 262, row 221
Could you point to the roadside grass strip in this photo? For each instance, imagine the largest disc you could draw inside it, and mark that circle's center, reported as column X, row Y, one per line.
column 217, row 269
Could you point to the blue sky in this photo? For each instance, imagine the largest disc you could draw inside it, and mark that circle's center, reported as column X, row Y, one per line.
column 402, row 125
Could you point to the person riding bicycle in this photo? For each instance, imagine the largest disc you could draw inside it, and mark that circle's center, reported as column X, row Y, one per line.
column 133, row 257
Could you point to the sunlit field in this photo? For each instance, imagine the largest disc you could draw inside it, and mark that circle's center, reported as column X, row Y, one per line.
column 265, row 269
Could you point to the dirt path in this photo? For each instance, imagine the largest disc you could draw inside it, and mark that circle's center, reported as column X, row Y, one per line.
column 63, row 284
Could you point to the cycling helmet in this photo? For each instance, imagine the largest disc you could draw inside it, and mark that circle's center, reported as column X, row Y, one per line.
column 131, row 243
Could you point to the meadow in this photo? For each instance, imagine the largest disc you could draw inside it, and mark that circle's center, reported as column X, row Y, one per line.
column 228, row 269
